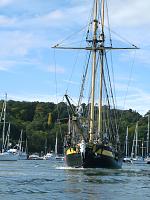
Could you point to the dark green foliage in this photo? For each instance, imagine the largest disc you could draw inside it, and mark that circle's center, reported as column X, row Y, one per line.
column 32, row 117
column 127, row 118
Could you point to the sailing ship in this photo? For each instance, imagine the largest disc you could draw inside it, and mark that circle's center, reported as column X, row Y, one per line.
column 7, row 153
column 147, row 159
column 57, row 156
column 20, row 149
column 127, row 159
column 135, row 154
column 92, row 140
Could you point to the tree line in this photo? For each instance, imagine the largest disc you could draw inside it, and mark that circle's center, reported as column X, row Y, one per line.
column 40, row 124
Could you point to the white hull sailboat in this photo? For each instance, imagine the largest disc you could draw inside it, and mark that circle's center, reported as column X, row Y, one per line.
column 135, row 156
column 57, row 157
column 21, row 152
column 8, row 156
column 147, row 159
column 127, row 159
column 7, row 153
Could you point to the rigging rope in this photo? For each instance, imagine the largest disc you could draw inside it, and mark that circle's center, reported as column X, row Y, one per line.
column 70, row 36
column 108, row 25
column 109, row 105
column 112, row 69
column 128, row 85
column 112, row 96
column 56, row 88
column 111, row 58
column 83, row 81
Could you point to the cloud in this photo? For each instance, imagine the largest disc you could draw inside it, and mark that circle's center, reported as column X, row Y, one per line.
column 5, row 2
column 34, row 97
column 135, row 98
column 130, row 13
column 57, row 69
column 75, row 14
column 143, row 56
column 19, row 43
column 27, row 29
column 6, row 21
column 71, row 82
column 7, row 65
column 130, row 17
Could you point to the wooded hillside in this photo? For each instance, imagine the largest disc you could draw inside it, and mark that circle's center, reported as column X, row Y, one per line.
column 32, row 117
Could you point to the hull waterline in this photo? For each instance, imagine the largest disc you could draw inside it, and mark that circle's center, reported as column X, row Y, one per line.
column 93, row 160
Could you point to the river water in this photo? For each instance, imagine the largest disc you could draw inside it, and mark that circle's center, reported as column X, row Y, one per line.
column 45, row 179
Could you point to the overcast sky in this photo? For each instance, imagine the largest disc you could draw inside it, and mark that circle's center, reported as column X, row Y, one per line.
column 30, row 69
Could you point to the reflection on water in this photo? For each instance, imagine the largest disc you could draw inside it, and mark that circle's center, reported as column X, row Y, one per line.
column 51, row 180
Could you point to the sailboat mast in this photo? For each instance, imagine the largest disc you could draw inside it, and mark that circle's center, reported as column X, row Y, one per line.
column 8, row 134
column 4, row 123
column 147, row 145
column 127, row 143
column 20, row 145
column 136, row 140
column 56, row 145
column 101, row 72
column 95, row 26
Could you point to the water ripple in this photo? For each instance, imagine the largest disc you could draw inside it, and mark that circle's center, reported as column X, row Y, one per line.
column 51, row 180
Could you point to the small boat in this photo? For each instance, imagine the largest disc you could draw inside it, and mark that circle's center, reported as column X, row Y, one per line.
column 59, row 157
column 127, row 160
column 35, row 157
column 147, row 160
column 49, row 156
column 9, row 155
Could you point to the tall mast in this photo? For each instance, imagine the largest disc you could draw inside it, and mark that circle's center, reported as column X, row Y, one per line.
column 95, row 26
column 101, row 71
column 147, row 145
column 20, row 145
column 133, row 146
column 127, row 143
column 136, row 140
column 8, row 134
column 56, row 145
column 96, row 47
column 142, row 149
column 4, row 123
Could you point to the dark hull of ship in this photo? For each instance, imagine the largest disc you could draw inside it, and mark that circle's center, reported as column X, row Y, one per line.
column 93, row 161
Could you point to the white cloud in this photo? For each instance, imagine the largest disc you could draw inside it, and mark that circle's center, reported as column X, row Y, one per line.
column 34, row 97
column 131, row 20
column 136, row 99
column 6, row 65
column 57, row 69
column 52, row 17
column 9, row 65
column 31, row 31
column 6, row 21
column 18, row 43
column 71, row 82
column 130, row 13
column 143, row 56
column 5, row 2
